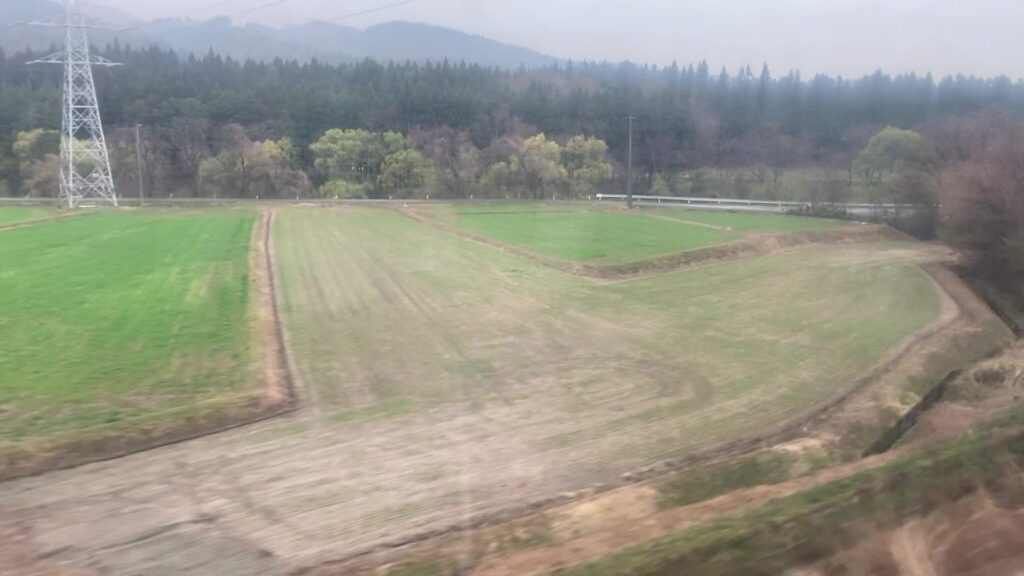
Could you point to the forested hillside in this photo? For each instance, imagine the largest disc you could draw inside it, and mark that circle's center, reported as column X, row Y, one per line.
column 687, row 118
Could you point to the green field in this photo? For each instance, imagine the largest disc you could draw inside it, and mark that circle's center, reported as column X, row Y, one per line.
column 598, row 235
column 591, row 236
column 389, row 317
column 115, row 316
column 750, row 222
column 15, row 214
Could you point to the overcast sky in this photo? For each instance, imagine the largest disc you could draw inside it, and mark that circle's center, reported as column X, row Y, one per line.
column 848, row 37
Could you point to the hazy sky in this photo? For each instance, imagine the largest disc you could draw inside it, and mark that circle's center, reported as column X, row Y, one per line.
column 849, row 37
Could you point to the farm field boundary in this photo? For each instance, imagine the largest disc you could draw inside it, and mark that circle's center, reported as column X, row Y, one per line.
column 33, row 221
column 181, row 424
column 962, row 311
column 751, row 246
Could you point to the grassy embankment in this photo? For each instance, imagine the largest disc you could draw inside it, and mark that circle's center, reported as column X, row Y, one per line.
column 817, row 523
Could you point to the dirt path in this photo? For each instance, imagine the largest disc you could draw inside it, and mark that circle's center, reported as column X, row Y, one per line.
column 268, row 329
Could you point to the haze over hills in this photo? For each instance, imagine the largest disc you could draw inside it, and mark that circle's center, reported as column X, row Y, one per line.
column 397, row 41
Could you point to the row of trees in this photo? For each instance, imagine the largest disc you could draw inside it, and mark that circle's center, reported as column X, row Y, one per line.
column 688, row 118
column 444, row 163
column 439, row 163
column 980, row 185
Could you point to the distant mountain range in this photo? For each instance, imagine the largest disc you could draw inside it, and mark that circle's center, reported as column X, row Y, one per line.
column 398, row 41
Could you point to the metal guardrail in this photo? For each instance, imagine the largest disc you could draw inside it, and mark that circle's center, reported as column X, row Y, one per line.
column 733, row 202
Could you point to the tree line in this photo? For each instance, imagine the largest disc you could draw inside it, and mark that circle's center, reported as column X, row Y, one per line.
column 475, row 130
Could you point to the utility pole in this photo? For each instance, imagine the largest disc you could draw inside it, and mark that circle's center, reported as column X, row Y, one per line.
column 85, row 164
column 138, row 159
column 629, row 166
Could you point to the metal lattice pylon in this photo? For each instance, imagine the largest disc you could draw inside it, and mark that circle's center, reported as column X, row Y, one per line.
column 85, row 164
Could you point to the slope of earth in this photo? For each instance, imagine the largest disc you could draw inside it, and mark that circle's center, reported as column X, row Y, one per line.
column 956, row 509
column 119, row 321
column 446, row 381
column 979, row 535
column 14, row 214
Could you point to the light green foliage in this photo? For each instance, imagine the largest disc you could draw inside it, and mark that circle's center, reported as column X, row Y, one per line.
column 662, row 186
column 534, row 169
column 34, row 146
column 885, row 153
column 586, row 163
column 115, row 316
column 252, row 170
column 38, row 164
column 590, row 236
column 541, row 165
column 354, row 155
column 283, row 150
column 353, row 162
column 540, row 168
column 343, row 190
column 503, row 178
column 404, row 171
column 221, row 175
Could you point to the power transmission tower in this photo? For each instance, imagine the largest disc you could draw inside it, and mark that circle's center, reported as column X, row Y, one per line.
column 85, row 164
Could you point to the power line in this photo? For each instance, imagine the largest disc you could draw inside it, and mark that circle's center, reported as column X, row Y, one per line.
column 260, row 7
column 371, row 10
column 210, row 7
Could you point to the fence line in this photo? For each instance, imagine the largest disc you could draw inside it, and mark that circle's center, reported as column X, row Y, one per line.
column 762, row 205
